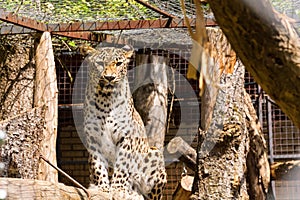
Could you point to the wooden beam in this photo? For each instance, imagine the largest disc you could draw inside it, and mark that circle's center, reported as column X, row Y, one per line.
column 32, row 24
column 124, row 25
column 83, row 35
column 22, row 21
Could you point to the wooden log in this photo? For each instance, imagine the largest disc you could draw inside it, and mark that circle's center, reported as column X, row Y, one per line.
column 184, row 188
column 289, row 170
column 46, row 93
column 187, row 154
column 28, row 189
column 151, row 96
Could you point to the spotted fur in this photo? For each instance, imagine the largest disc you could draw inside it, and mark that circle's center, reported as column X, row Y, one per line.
column 116, row 136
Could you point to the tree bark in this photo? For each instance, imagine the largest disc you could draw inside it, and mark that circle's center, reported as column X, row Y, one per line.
column 258, row 166
column 150, row 96
column 17, row 70
column 222, row 149
column 268, row 46
column 46, row 93
column 224, row 60
column 20, row 151
column 258, row 169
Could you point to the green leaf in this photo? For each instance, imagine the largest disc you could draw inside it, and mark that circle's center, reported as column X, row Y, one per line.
column 72, row 44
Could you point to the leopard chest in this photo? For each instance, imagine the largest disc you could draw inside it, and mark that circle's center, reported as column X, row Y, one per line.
column 106, row 122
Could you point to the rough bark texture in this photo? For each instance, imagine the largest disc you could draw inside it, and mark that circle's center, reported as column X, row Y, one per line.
column 257, row 161
column 224, row 60
column 222, row 149
column 268, row 46
column 17, row 71
column 46, row 94
column 150, row 96
column 258, row 169
column 24, row 189
column 19, row 121
column 20, row 151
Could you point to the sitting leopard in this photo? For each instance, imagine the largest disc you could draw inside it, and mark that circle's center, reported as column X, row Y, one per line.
column 115, row 133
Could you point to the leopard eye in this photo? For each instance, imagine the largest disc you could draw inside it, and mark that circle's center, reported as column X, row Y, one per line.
column 119, row 63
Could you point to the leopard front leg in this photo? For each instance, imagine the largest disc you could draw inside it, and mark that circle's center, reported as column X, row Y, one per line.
column 98, row 168
column 154, row 176
column 122, row 186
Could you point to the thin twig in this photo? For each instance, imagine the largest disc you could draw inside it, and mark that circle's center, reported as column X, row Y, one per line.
column 67, row 175
column 121, row 32
column 172, row 100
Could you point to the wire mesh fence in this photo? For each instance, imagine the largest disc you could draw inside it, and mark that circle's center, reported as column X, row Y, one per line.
column 57, row 11
column 282, row 137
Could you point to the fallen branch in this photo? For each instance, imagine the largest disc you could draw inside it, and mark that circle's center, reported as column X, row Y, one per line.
column 24, row 189
column 186, row 153
column 288, row 170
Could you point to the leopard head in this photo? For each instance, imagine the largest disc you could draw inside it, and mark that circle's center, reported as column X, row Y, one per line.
column 108, row 66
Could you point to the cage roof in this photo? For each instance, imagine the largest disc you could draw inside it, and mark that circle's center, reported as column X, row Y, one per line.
column 66, row 17
column 81, row 18
column 57, row 11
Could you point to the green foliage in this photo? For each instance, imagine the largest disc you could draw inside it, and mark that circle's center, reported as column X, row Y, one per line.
column 77, row 10
column 72, row 44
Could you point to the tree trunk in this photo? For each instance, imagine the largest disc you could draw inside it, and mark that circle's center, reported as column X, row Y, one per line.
column 21, row 123
column 268, row 46
column 258, row 169
column 20, row 151
column 150, row 96
column 224, row 60
column 222, row 149
column 46, row 93
column 17, row 71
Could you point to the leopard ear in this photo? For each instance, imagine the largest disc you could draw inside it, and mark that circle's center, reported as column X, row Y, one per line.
column 85, row 49
column 129, row 50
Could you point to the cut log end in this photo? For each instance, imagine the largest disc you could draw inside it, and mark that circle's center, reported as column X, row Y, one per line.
column 174, row 145
column 184, row 188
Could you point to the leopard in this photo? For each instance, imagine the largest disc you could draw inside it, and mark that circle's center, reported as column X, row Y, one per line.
column 115, row 133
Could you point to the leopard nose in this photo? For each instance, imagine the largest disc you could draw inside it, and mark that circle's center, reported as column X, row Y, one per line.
column 110, row 77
